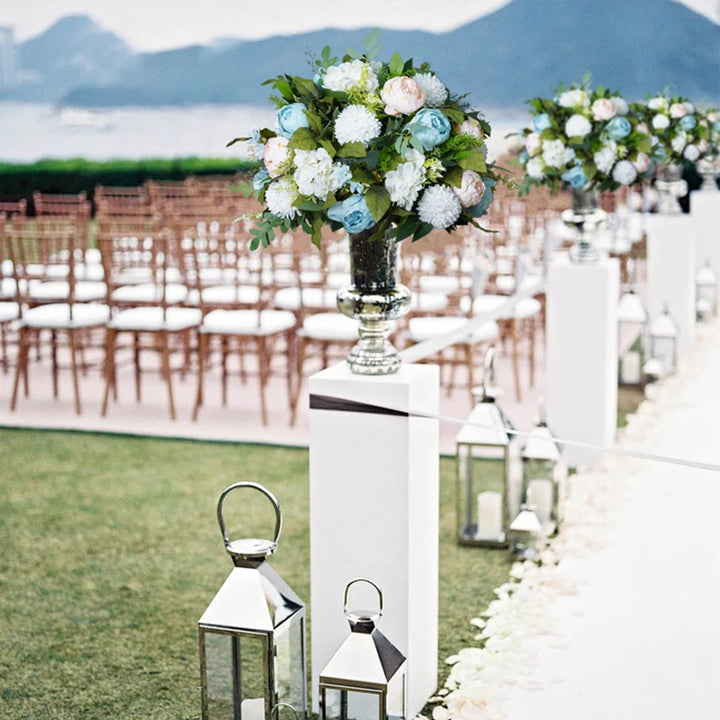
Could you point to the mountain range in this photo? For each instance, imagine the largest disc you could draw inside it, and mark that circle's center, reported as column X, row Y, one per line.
column 502, row 59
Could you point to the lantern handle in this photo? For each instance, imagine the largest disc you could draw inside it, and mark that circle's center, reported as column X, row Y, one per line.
column 370, row 582
column 488, row 372
column 259, row 488
column 287, row 705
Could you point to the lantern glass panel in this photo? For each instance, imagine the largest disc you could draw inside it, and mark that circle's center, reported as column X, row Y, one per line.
column 541, row 492
column 351, row 704
column 664, row 351
column 289, row 665
column 396, row 697
column 233, row 684
column 631, row 363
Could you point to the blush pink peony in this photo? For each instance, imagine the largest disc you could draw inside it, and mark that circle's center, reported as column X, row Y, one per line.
column 402, row 96
column 275, row 155
column 603, row 109
column 472, row 189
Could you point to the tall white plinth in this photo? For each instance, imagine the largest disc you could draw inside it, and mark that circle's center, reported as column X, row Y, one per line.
column 671, row 272
column 582, row 355
column 705, row 216
column 374, row 505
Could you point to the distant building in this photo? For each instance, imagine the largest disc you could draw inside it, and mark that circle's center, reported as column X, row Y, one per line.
column 8, row 57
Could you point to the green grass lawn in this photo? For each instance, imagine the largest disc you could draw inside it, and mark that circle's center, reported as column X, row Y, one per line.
column 111, row 552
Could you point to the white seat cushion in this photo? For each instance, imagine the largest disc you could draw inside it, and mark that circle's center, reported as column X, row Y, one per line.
column 429, row 302
column 226, row 295
column 427, row 328
column 85, row 290
column 9, row 311
column 330, row 327
column 7, row 288
column 247, row 322
column 57, row 316
column 150, row 319
column 150, row 293
column 315, row 298
column 523, row 308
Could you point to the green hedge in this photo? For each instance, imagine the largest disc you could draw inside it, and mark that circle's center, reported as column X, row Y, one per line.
column 74, row 176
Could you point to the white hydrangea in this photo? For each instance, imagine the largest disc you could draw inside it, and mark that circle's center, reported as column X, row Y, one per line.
column 439, row 206
column 660, row 121
column 624, row 173
column 405, row 182
column 535, row 168
column 554, row 153
column 604, row 159
column 353, row 75
column 435, row 91
column 679, row 142
column 621, row 105
column 691, row 153
column 356, row 123
column 317, row 175
column 280, row 196
column 574, row 98
column 658, row 103
column 577, row 126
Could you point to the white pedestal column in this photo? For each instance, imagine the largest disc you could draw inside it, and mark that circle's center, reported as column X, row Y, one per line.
column 582, row 355
column 671, row 271
column 705, row 216
column 374, row 498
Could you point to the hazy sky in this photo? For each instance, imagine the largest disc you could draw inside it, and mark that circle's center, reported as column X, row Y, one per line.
column 162, row 24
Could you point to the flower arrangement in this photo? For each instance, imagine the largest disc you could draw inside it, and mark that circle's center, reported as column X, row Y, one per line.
column 679, row 133
column 583, row 139
column 369, row 146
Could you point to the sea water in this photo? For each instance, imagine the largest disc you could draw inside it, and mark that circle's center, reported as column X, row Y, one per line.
column 33, row 131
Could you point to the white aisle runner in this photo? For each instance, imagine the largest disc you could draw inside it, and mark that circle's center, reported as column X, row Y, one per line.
column 640, row 638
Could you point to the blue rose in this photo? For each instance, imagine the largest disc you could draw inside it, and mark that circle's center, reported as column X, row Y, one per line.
column 524, row 157
column 430, row 126
column 716, row 127
column 290, row 118
column 618, row 128
column 688, row 123
column 575, row 177
column 541, row 122
column 260, row 179
column 353, row 213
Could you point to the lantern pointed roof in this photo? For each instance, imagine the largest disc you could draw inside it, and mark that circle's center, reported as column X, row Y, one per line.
column 364, row 659
column 486, row 425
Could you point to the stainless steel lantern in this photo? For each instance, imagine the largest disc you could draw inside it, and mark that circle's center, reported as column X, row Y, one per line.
column 706, row 291
column 526, row 536
column 632, row 338
column 252, row 635
column 489, row 470
column 366, row 677
column 545, row 474
column 663, row 341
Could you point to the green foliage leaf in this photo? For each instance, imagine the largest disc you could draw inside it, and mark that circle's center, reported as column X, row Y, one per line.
column 235, row 140
column 423, row 230
column 378, row 201
column 406, row 229
column 396, row 64
column 456, row 116
column 352, row 150
column 453, row 176
column 302, row 139
column 474, row 161
column 283, row 87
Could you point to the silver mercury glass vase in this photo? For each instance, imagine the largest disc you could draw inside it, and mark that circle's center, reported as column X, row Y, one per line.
column 670, row 187
column 375, row 298
column 585, row 217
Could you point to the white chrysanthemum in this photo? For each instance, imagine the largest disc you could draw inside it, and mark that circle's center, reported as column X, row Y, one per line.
column 316, row 174
column 554, row 153
column 280, row 196
column 435, row 91
column 535, row 168
column 353, row 75
column 573, row 98
column 577, row 126
column 691, row 153
column 439, row 206
column 679, row 142
column 660, row 121
column 604, row 159
column 405, row 182
column 356, row 123
column 624, row 173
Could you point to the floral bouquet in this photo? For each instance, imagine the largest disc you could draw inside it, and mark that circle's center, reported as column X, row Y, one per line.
column 583, row 139
column 369, row 146
column 679, row 133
